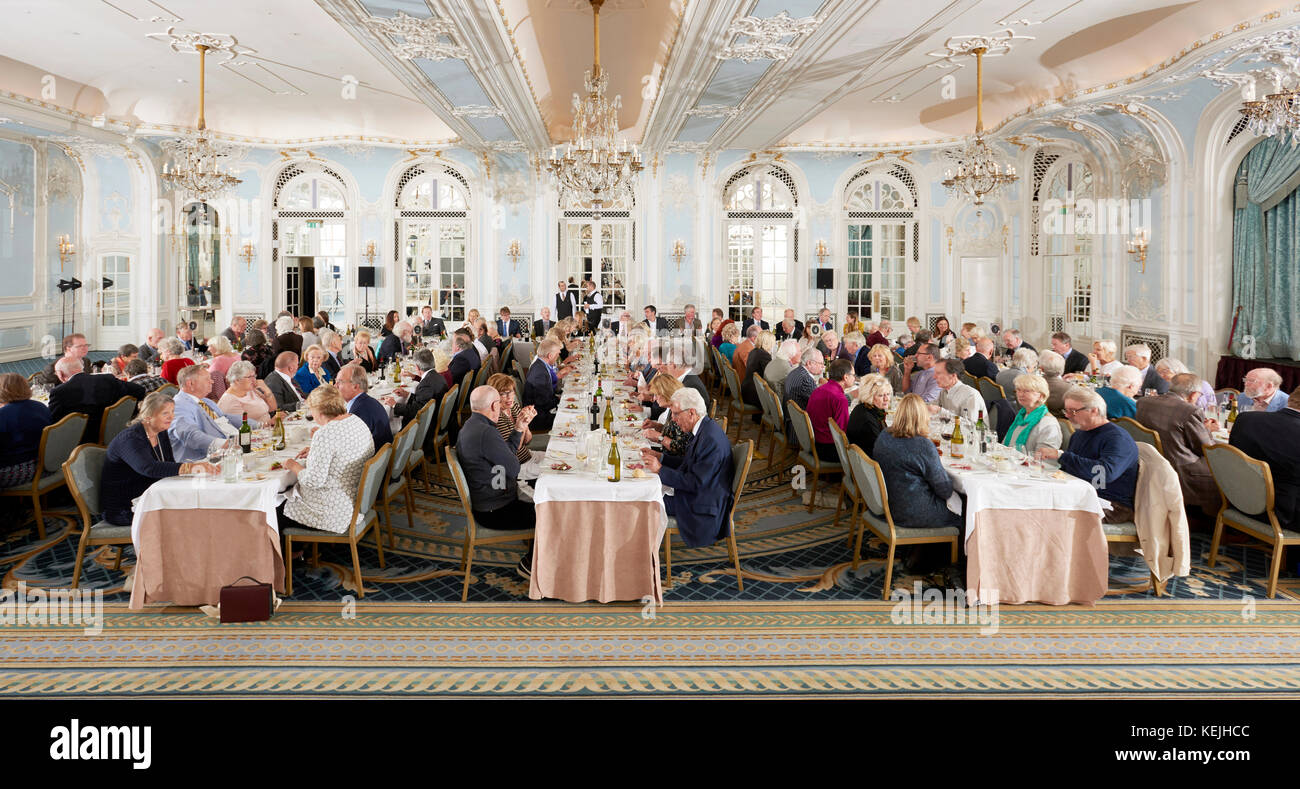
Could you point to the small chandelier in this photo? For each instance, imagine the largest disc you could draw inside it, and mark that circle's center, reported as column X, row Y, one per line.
column 198, row 171
column 594, row 165
column 1278, row 115
column 978, row 173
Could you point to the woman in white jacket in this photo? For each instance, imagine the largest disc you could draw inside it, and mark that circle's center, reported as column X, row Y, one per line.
column 1034, row 426
column 327, row 484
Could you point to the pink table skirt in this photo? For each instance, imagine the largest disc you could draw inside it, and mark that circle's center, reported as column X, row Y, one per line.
column 1043, row 556
column 597, row 550
column 186, row 556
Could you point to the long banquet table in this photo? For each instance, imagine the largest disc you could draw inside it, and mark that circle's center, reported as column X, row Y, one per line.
column 595, row 539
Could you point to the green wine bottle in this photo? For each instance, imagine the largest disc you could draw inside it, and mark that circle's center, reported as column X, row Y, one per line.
column 246, row 436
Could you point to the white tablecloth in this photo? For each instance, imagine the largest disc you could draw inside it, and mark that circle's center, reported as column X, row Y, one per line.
column 210, row 493
column 1010, row 491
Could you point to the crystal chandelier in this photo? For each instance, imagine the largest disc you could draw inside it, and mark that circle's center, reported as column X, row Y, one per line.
column 1278, row 115
column 197, row 170
column 978, row 173
column 594, row 166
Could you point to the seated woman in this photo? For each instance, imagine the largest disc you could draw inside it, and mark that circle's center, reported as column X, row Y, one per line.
column 1034, row 426
column 390, row 320
column 755, row 364
column 307, row 329
column 730, row 338
column 852, row 324
column 442, row 365
column 362, row 353
column 172, row 353
column 223, row 356
column 867, row 421
column 327, row 482
column 312, row 373
column 510, row 409
column 917, row 484
column 139, row 456
column 247, row 395
column 943, row 333
column 718, row 326
column 885, row 363
column 124, row 356
column 256, row 349
column 22, row 420
column 664, row 431
column 829, row 345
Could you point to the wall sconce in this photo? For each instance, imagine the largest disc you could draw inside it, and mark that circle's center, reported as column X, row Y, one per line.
column 370, row 254
column 514, row 253
column 67, row 250
column 678, row 252
column 821, row 252
column 1137, row 245
column 248, row 252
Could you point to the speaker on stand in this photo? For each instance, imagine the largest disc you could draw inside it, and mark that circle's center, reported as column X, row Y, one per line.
column 366, row 279
column 825, row 282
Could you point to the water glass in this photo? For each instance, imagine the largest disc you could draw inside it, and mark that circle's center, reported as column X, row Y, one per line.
column 230, row 467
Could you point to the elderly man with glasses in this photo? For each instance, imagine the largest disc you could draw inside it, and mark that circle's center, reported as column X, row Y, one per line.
column 922, row 382
column 1101, row 453
column 701, row 478
column 1263, row 391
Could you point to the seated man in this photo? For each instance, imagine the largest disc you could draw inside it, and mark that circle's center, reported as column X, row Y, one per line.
column 961, row 399
column 1139, row 356
column 921, row 381
column 1101, row 453
column 790, row 328
column 352, row 383
column 199, row 424
column 288, row 395
column 137, row 372
column 149, row 350
column 543, row 325
column 429, row 325
column 980, row 364
column 235, row 331
column 700, row 479
column 466, row 360
column 397, row 343
column 830, row 401
column 1262, row 391
column 541, row 384
column 1183, row 433
column 802, row 380
column 87, row 394
column 430, row 385
column 1125, row 383
column 1274, row 437
column 491, row 468
column 75, row 347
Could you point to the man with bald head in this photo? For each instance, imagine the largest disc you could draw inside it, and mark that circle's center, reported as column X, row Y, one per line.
column 149, row 350
column 288, row 395
column 491, row 467
column 81, row 392
column 980, row 364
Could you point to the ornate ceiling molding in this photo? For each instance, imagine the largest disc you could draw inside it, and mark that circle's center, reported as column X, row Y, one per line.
column 993, row 44
column 477, row 111
column 222, row 46
column 712, row 111
column 765, row 34
column 686, row 147
column 420, row 37
column 86, row 147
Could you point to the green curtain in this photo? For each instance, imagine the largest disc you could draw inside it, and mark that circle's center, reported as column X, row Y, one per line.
column 1264, row 252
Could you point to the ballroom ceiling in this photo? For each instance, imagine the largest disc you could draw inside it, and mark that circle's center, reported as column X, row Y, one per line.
column 499, row 74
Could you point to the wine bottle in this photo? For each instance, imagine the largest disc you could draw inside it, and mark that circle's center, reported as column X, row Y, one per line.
column 957, row 443
column 397, row 370
column 600, row 390
column 595, row 414
column 277, row 432
column 246, row 436
column 615, row 464
column 609, row 417
column 1232, row 409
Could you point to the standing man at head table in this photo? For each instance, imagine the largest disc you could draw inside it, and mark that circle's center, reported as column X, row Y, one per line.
column 595, row 304
column 430, row 326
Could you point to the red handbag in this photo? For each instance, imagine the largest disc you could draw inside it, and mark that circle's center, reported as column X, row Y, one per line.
column 248, row 602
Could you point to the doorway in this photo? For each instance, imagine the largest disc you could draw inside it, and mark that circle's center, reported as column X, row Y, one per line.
column 978, row 288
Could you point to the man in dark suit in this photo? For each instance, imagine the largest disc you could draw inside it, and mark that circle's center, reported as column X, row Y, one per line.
column 491, row 468
column 683, row 373
column 653, row 321
column 431, row 386
column 566, row 301
column 789, row 328
column 543, row 324
column 508, row 328
column 288, row 395
column 235, row 331
column 1139, row 356
column 1183, row 433
column 1274, row 437
column 352, row 383
column 700, row 479
column 1013, row 342
column 755, row 318
column 186, row 335
column 429, row 325
column 287, row 341
column 397, row 343
column 332, row 342
column 540, row 385
column 1075, row 362
column 87, row 394
column 978, row 364
column 466, row 361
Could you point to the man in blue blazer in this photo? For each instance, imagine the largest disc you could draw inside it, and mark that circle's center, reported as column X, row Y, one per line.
column 700, row 479
column 541, row 385
column 352, row 384
column 199, row 424
column 506, row 327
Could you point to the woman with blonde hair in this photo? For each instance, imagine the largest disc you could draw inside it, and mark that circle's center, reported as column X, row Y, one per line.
column 755, row 364
column 223, row 356
column 867, row 421
column 307, row 328
column 1033, row 427
column 730, row 338
column 442, row 365
column 312, row 373
column 664, row 430
column 914, row 476
column 884, row 362
column 327, row 482
column 139, row 456
column 362, row 353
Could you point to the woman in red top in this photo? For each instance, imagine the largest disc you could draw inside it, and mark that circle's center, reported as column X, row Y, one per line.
column 171, row 352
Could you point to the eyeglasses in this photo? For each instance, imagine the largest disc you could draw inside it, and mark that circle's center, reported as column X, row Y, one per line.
column 1073, row 411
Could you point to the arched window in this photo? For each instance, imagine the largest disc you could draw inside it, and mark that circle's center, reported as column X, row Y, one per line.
column 762, row 239
column 309, row 222
column 882, row 235
column 431, row 239
column 604, row 246
column 1066, row 239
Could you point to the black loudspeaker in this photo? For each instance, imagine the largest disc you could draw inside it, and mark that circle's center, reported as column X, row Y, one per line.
column 365, row 276
column 825, row 279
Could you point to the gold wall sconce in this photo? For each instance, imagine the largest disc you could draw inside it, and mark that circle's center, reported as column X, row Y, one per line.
column 1137, row 245
column 678, row 253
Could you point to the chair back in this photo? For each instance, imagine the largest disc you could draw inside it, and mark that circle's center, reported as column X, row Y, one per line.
column 1140, row 432
column 466, row 386
column 115, row 419
column 991, row 390
column 841, row 441
column 801, row 425
column 402, row 444
column 870, row 483
column 518, row 370
column 82, row 472
column 1227, row 390
column 742, row 455
column 450, row 399
column 59, row 439
column 481, row 376
column 462, row 489
column 969, row 380
column 733, row 381
column 425, row 420
column 767, row 399
column 492, row 364
column 372, row 481
column 722, row 423
column 1067, row 430
column 169, row 389
column 1246, row 483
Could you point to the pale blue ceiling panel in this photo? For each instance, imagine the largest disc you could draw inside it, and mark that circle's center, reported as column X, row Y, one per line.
column 454, row 80
column 698, row 129
column 492, row 128
column 795, row 8
column 733, row 81
column 416, row 8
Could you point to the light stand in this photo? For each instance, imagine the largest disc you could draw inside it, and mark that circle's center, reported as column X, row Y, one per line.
column 66, row 285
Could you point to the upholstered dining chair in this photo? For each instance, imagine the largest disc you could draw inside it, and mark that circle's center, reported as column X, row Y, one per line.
column 742, row 455
column 364, row 516
column 115, row 419
column 1140, row 432
column 57, row 442
column 1249, row 497
column 991, row 390
column 774, row 419
column 807, row 456
column 417, row 461
column 1067, row 430
column 83, row 470
column 442, row 423
column 476, row 535
column 848, row 488
column 398, row 481
column 735, row 404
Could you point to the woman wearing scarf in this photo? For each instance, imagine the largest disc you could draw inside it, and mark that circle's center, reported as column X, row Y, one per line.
column 312, row 374
column 1034, row 426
